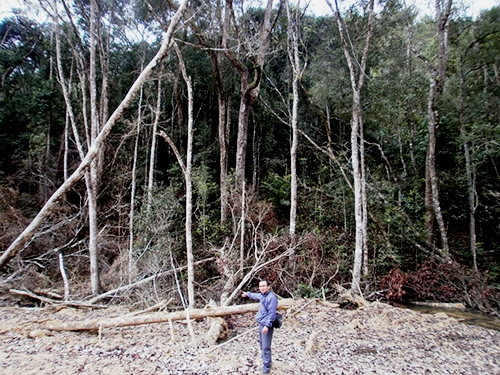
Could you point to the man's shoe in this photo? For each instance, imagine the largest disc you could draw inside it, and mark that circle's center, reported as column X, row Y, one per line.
column 265, row 370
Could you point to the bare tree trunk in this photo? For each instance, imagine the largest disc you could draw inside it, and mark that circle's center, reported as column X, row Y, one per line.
column 242, row 228
column 64, row 277
column 152, row 156
column 293, row 55
column 224, row 126
column 241, row 141
column 358, row 200
column 66, row 89
column 497, row 75
column 45, row 211
column 471, row 182
column 104, row 55
column 429, row 206
column 179, row 110
column 255, row 159
column 437, row 81
column 431, row 174
column 88, row 173
column 224, row 99
column 132, row 192
column 186, row 168
column 357, row 140
column 189, row 192
column 364, row 201
column 66, row 147
column 94, row 131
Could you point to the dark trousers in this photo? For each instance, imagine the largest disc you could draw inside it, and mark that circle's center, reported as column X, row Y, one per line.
column 265, row 347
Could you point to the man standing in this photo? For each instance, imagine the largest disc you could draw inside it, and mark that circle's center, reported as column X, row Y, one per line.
column 265, row 317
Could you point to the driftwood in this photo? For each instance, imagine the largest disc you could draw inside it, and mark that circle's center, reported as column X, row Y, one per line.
column 348, row 297
column 159, row 317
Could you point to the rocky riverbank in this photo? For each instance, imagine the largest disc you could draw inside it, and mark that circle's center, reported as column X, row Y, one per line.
column 317, row 338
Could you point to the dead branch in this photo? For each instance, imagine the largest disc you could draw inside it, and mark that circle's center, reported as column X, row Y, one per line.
column 113, row 292
column 53, row 302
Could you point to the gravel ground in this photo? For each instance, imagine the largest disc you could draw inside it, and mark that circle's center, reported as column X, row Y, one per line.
column 317, row 338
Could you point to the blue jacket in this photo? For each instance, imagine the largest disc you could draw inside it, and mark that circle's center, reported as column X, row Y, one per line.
column 268, row 305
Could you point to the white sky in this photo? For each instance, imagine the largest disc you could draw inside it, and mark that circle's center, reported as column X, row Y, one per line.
column 473, row 7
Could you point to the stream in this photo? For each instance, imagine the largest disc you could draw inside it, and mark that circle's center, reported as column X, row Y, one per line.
column 471, row 317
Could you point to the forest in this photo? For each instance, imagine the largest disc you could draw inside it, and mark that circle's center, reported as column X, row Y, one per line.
column 160, row 149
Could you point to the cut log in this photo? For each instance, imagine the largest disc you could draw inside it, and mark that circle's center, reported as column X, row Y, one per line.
column 159, row 317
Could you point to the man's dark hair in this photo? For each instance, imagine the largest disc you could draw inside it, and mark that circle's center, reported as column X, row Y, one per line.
column 266, row 281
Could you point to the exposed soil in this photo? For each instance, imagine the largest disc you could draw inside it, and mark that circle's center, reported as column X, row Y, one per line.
column 316, row 339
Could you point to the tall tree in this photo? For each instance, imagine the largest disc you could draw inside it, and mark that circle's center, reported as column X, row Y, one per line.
column 91, row 175
column 436, row 88
column 210, row 39
column 357, row 72
column 249, row 88
column 94, row 165
column 189, row 184
column 187, row 171
column 294, row 18
column 470, row 167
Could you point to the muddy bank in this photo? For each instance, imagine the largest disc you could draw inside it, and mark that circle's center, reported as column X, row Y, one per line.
column 318, row 339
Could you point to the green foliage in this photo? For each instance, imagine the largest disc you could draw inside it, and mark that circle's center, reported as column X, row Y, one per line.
column 276, row 189
column 31, row 106
column 307, row 291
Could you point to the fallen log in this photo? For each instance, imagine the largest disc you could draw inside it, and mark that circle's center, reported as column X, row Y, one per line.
column 158, row 317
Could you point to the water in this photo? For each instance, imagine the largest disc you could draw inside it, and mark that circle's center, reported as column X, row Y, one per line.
column 472, row 317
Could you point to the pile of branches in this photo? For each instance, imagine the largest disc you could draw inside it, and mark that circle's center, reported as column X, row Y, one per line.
column 447, row 282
